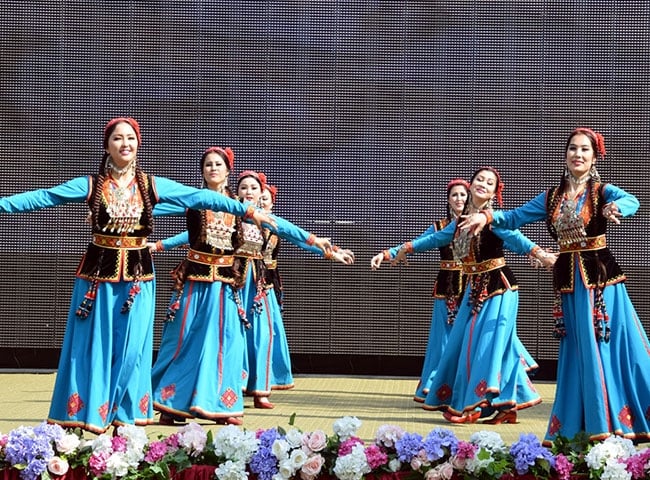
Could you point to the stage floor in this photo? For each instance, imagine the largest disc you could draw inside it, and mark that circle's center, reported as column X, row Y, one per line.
column 317, row 401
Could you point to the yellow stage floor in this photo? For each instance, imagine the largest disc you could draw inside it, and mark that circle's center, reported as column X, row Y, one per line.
column 317, row 401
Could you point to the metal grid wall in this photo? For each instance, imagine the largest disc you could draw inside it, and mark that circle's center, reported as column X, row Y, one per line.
column 359, row 111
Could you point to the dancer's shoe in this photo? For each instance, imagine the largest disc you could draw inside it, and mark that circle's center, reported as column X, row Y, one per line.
column 470, row 417
column 262, row 402
column 503, row 416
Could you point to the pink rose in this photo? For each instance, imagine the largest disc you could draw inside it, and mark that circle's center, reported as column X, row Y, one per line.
column 316, row 440
column 312, row 467
column 58, row 466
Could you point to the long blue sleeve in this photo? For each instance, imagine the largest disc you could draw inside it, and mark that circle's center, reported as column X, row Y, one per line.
column 72, row 191
column 432, row 240
column 627, row 203
column 176, row 241
column 532, row 211
column 514, row 240
column 182, row 196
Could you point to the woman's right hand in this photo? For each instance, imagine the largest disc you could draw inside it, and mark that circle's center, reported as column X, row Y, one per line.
column 474, row 223
column 375, row 262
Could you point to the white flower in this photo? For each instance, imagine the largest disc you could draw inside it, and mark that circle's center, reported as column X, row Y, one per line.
column 136, row 437
column 387, row 435
column 280, row 449
column 116, row 466
column 286, row 469
column 67, row 444
column 490, row 441
column 352, row 466
column 476, row 465
column 294, row 438
column 58, row 466
column 298, row 458
column 394, row 465
column 232, row 443
column 346, row 427
column 102, row 444
column 230, row 470
column 611, row 448
column 615, row 470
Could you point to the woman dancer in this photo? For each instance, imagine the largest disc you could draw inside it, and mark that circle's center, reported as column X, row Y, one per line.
column 198, row 371
column 254, row 295
column 104, row 373
column 447, row 289
column 603, row 379
column 484, row 367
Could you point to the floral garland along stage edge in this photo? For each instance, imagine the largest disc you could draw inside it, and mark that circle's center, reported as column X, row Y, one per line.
column 48, row 451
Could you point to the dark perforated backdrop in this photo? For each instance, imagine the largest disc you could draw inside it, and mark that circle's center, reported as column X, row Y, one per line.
column 360, row 112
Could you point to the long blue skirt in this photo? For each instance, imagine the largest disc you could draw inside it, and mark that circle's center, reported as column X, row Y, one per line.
column 104, row 373
column 484, row 363
column 438, row 335
column 198, row 371
column 259, row 337
column 281, row 374
column 603, row 388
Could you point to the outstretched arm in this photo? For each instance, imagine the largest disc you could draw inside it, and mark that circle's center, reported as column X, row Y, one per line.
column 533, row 211
column 72, row 191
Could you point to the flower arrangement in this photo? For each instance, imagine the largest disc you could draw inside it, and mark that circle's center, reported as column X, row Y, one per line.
column 48, row 452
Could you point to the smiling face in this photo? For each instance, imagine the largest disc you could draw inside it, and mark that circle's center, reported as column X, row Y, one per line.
column 215, row 171
column 580, row 155
column 266, row 201
column 122, row 145
column 483, row 187
column 249, row 189
column 457, row 198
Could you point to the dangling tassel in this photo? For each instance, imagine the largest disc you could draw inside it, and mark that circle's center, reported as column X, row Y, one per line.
column 133, row 291
column 257, row 300
column 559, row 329
column 452, row 308
column 173, row 307
column 240, row 309
column 479, row 292
column 601, row 319
column 87, row 303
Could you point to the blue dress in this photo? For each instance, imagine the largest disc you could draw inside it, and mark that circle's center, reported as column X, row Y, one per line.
column 104, row 373
column 603, row 376
column 260, row 305
column 484, row 364
column 281, row 371
column 447, row 291
column 198, row 371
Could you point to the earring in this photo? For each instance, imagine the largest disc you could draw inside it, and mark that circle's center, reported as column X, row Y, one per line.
column 594, row 173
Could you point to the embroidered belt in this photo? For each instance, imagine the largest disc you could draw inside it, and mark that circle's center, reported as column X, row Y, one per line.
column 129, row 243
column 588, row 243
column 450, row 265
column 271, row 264
column 210, row 258
column 486, row 266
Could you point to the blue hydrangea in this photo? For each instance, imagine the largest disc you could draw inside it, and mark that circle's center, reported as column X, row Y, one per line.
column 437, row 441
column 32, row 448
column 263, row 462
column 527, row 451
column 408, row 446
